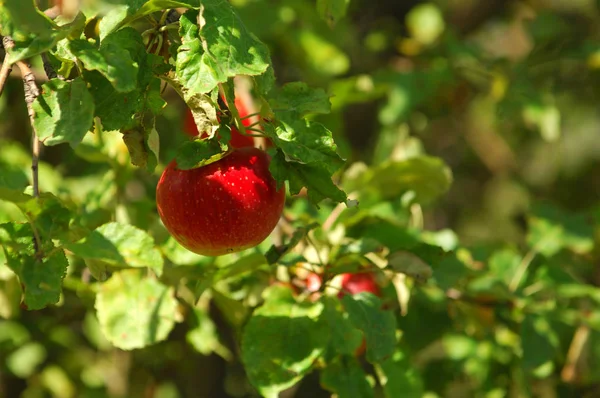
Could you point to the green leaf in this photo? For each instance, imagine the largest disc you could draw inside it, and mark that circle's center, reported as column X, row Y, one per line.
column 50, row 216
column 345, row 338
column 22, row 16
column 120, row 245
column 24, row 361
column 117, row 109
column 234, row 311
column 399, row 377
column 64, row 112
column 546, row 118
column 277, row 252
column 425, row 23
column 427, row 177
column 122, row 15
column 304, row 141
column 331, row 11
column 112, row 60
column 39, row 43
column 179, row 255
column 114, row 108
column 503, row 264
column 31, row 31
column 12, row 183
column 118, row 15
column 552, row 229
column 247, row 263
column 41, row 276
column 282, row 340
column 409, row 264
column 379, row 326
column 197, row 153
column 211, row 35
column 32, row 46
column 315, row 177
column 321, row 53
column 539, row 343
column 135, row 311
column 347, row 379
column 203, row 335
column 299, row 98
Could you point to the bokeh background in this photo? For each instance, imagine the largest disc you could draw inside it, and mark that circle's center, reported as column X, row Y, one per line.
column 506, row 92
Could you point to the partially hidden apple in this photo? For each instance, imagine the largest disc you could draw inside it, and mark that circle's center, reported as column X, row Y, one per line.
column 238, row 140
column 224, row 207
column 357, row 283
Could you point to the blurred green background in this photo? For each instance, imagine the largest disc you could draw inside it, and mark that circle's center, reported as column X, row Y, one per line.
column 505, row 92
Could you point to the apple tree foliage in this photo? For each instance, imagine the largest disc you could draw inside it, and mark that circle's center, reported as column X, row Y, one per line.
column 98, row 300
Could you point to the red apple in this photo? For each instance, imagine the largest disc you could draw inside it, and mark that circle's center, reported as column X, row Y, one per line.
column 313, row 282
column 224, row 207
column 357, row 283
column 189, row 124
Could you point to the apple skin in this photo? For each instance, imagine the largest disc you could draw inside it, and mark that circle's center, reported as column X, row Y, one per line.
column 357, row 283
column 313, row 282
column 224, row 207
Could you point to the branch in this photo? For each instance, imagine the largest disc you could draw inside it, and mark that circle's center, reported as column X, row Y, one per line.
column 580, row 339
column 31, row 93
column 6, row 66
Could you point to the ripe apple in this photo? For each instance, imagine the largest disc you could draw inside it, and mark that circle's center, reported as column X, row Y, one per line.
column 354, row 284
column 357, row 283
column 224, row 207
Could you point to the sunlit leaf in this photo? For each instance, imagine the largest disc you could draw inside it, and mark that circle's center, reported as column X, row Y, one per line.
column 120, row 245
column 552, row 229
column 40, row 273
column 298, row 97
column 399, row 377
column 213, row 33
column 282, row 340
column 64, row 112
column 135, row 311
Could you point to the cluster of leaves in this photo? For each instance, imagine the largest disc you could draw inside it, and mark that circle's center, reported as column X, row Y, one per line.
column 454, row 317
column 110, row 81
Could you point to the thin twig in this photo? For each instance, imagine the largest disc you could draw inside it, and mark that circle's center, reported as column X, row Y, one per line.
column 40, row 75
column 580, row 339
column 333, row 216
column 6, row 66
column 31, row 93
column 516, row 280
